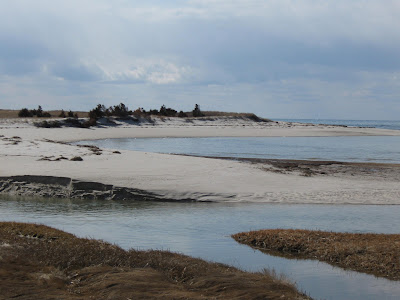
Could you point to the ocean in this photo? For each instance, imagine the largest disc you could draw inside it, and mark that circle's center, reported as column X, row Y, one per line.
column 384, row 124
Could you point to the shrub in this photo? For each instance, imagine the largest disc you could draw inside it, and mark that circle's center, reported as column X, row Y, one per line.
column 25, row 113
column 76, row 158
column 182, row 114
column 98, row 112
column 168, row 112
column 48, row 124
column 119, row 110
column 153, row 112
column 62, row 114
column 139, row 112
column 73, row 122
column 91, row 122
column 38, row 112
column 197, row 112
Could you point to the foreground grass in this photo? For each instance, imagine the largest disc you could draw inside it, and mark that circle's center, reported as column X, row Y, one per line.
column 39, row 262
column 377, row 254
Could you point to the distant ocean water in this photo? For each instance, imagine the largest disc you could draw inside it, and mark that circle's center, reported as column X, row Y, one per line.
column 384, row 124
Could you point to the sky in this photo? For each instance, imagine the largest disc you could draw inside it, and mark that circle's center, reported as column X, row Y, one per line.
column 276, row 58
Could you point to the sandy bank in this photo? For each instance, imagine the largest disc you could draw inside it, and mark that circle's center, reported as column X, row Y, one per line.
column 181, row 177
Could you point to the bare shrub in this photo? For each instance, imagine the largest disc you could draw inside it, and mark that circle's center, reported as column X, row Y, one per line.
column 48, row 124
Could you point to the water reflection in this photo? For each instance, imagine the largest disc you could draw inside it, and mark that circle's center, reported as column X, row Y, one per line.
column 204, row 229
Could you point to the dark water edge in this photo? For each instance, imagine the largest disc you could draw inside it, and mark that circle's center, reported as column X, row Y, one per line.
column 203, row 230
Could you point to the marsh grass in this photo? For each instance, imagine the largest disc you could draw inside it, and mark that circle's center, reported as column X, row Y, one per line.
column 87, row 267
column 377, row 254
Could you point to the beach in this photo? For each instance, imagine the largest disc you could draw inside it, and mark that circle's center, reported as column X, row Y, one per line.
column 28, row 150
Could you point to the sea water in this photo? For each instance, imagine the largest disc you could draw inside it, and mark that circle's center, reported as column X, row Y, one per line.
column 383, row 124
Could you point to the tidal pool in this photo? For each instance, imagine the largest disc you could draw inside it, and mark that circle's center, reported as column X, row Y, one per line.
column 204, row 229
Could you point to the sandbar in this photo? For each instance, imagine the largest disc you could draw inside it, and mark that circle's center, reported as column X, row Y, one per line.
column 27, row 150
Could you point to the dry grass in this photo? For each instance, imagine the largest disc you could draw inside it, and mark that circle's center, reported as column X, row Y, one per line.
column 10, row 114
column 225, row 114
column 377, row 254
column 39, row 262
column 233, row 114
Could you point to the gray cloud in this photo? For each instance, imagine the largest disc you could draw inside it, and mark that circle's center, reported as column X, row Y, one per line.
column 277, row 57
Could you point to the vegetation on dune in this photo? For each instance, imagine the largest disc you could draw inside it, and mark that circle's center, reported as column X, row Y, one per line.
column 377, row 254
column 120, row 111
column 70, row 114
column 48, row 124
column 26, row 113
column 197, row 112
column 48, row 263
column 40, row 113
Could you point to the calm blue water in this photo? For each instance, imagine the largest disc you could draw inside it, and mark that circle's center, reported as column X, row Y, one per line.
column 204, row 229
column 383, row 149
column 384, row 124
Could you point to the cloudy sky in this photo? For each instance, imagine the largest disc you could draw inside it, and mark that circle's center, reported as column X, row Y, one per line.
column 276, row 58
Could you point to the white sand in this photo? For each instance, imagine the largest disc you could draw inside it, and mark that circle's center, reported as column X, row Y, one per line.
column 180, row 177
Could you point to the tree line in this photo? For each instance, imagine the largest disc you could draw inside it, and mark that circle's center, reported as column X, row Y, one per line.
column 121, row 110
column 40, row 113
column 100, row 111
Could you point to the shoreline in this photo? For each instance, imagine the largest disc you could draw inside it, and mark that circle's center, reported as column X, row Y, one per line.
column 27, row 150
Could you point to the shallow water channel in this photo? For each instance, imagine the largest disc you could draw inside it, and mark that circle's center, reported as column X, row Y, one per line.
column 381, row 149
column 204, row 229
